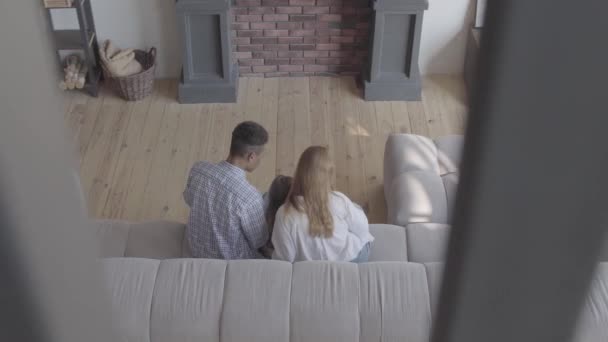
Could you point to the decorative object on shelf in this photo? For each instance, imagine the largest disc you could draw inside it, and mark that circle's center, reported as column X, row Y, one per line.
column 83, row 39
column 129, row 72
column 58, row 3
column 393, row 73
column 75, row 74
column 209, row 71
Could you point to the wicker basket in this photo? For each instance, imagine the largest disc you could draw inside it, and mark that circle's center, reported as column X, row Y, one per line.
column 139, row 86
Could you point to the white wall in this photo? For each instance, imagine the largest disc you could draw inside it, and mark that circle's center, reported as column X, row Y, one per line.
column 145, row 23
column 444, row 36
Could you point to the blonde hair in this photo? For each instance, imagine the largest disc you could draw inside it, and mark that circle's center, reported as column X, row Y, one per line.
column 311, row 190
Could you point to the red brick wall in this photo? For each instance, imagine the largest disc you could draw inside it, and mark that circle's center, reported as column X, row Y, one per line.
column 275, row 38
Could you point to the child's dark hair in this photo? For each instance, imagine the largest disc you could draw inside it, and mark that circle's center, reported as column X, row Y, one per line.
column 279, row 189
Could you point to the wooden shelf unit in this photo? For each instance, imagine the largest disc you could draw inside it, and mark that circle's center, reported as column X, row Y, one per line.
column 84, row 39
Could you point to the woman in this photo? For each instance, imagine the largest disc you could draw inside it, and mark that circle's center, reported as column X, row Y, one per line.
column 316, row 223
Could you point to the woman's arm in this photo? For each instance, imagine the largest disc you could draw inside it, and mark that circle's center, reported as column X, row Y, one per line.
column 356, row 218
column 284, row 247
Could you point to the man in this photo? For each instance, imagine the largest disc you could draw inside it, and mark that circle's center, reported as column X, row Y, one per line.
column 226, row 212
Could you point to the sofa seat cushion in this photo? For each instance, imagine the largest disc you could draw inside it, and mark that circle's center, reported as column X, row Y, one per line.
column 427, row 242
column 390, row 243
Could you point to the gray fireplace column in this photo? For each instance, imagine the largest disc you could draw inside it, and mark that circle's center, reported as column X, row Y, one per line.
column 393, row 73
column 209, row 73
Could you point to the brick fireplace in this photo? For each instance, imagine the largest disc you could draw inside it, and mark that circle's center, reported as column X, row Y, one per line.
column 275, row 38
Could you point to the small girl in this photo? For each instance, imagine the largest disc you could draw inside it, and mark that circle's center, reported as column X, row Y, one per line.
column 276, row 196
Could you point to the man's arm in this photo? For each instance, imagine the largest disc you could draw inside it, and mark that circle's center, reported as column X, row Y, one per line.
column 188, row 192
column 253, row 223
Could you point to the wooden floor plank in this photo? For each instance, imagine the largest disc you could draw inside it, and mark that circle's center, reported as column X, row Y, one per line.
column 240, row 110
column 87, row 125
column 77, row 108
column 199, row 148
column 221, row 132
column 452, row 104
column 320, row 127
column 431, row 99
column 301, row 105
column 338, row 128
column 286, row 158
column 135, row 156
column 153, row 204
column 418, row 122
column 355, row 172
column 253, row 107
column 372, row 161
column 127, row 155
column 401, row 118
column 174, row 207
column 202, row 133
column 265, row 173
column 102, row 155
column 144, row 154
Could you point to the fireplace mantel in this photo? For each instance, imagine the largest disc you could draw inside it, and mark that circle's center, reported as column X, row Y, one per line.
column 274, row 38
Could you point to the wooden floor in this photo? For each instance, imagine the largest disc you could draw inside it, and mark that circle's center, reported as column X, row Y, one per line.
column 134, row 157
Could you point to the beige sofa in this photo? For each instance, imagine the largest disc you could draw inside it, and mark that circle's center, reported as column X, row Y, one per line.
column 158, row 294
column 420, row 184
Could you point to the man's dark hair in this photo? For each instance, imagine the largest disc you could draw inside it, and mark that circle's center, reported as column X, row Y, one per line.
column 248, row 137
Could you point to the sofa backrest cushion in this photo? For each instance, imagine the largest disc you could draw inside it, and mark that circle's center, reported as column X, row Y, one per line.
column 394, row 303
column 112, row 237
column 417, row 196
column 188, row 300
column 153, row 240
column 256, row 301
column 166, row 240
column 131, row 288
column 156, row 240
column 210, row 300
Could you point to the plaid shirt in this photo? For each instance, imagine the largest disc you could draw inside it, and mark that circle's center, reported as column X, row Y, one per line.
column 226, row 213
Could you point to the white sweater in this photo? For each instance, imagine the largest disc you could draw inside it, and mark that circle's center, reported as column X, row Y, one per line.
column 293, row 242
